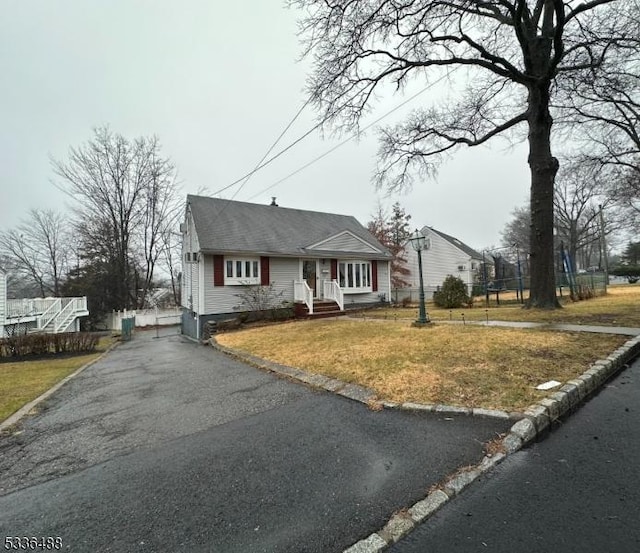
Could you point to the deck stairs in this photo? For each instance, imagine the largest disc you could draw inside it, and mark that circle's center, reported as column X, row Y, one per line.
column 48, row 315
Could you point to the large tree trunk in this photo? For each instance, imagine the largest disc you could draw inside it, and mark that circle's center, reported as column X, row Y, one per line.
column 543, row 168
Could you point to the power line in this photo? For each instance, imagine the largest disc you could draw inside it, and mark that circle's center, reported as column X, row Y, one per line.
column 297, row 141
column 260, row 164
column 348, row 139
column 246, row 180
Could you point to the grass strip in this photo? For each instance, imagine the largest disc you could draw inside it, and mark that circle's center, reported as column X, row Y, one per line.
column 23, row 381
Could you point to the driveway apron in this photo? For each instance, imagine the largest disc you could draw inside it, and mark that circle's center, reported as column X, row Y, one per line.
column 166, row 445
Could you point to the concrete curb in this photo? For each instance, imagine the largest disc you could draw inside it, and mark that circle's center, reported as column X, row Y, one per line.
column 26, row 409
column 530, row 424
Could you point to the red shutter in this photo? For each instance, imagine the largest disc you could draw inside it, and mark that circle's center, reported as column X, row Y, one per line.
column 374, row 275
column 334, row 269
column 218, row 270
column 264, row 271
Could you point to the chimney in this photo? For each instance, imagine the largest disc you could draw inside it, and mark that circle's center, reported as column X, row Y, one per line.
column 273, row 201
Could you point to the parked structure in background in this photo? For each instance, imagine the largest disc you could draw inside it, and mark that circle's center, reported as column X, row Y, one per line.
column 446, row 256
column 297, row 257
column 50, row 315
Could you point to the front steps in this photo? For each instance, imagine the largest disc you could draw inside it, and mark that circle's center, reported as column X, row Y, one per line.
column 321, row 309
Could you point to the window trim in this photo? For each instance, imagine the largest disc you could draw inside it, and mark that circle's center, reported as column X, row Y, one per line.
column 355, row 276
column 235, row 269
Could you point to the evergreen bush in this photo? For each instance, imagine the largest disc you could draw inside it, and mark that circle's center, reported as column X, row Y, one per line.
column 452, row 293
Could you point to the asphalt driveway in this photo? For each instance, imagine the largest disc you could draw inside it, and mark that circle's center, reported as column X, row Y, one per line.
column 165, row 445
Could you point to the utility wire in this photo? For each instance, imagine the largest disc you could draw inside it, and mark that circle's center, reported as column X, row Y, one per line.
column 296, row 141
column 271, row 148
column 263, row 163
column 350, row 138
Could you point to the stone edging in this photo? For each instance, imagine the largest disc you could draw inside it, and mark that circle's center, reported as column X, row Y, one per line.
column 532, row 422
column 26, row 409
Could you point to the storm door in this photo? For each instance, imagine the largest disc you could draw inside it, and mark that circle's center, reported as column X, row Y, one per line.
column 310, row 274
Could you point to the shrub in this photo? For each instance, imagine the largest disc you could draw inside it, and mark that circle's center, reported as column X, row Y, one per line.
column 262, row 303
column 452, row 293
column 19, row 345
column 259, row 298
column 631, row 272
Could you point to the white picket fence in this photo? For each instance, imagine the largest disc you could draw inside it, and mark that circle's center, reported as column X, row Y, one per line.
column 146, row 317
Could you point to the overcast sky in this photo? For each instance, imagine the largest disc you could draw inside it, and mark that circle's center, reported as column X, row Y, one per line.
column 217, row 82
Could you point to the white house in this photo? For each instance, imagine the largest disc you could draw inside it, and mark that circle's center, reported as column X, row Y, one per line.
column 306, row 256
column 445, row 256
column 49, row 315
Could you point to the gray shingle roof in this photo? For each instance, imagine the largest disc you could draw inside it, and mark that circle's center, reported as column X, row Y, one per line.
column 227, row 226
column 458, row 244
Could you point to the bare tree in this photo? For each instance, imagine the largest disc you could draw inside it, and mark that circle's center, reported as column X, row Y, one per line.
column 624, row 192
column 517, row 230
column 160, row 216
column 517, row 55
column 171, row 260
column 607, row 106
column 128, row 188
column 579, row 195
column 37, row 250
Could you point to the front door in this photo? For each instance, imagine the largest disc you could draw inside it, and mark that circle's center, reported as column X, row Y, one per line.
column 310, row 274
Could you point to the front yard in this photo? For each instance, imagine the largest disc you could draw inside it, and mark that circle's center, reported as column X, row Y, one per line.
column 23, row 381
column 471, row 366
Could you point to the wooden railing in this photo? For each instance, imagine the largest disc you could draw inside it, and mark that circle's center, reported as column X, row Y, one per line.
column 29, row 307
column 50, row 314
column 332, row 291
column 68, row 313
column 302, row 292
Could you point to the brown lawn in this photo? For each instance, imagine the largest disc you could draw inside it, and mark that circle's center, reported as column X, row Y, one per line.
column 469, row 366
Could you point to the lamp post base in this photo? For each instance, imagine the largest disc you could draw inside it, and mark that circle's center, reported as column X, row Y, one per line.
column 420, row 324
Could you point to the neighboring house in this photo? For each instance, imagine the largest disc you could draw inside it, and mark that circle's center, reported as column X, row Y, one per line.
column 446, row 256
column 306, row 256
column 49, row 315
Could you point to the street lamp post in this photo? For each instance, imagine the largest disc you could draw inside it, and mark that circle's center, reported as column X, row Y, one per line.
column 419, row 242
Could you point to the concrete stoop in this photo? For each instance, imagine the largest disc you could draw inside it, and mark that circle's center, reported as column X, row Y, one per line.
column 528, row 425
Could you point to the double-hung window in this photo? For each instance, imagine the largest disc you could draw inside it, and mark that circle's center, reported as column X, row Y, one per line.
column 354, row 276
column 241, row 270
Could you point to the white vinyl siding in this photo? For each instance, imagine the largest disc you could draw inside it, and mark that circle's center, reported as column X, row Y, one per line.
column 3, row 301
column 190, row 286
column 282, row 273
column 345, row 242
column 441, row 260
column 224, row 299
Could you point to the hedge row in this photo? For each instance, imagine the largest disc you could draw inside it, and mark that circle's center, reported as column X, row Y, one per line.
column 21, row 345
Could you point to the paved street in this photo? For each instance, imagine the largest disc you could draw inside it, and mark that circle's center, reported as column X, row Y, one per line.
column 166, row 445
column 578, row 490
